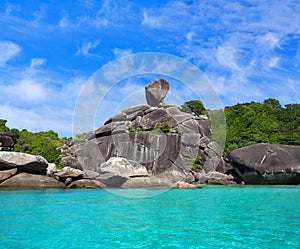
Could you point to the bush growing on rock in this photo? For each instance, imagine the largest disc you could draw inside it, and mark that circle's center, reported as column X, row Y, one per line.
column 195, row 106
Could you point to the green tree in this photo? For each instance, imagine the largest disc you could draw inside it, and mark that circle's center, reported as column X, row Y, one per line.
column 3, row 127
column 273, row 103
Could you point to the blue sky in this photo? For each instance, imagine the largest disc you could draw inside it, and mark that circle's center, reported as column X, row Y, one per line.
column 249, row 50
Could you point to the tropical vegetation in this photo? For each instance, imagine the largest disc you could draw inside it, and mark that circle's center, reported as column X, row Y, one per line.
column 44, row 143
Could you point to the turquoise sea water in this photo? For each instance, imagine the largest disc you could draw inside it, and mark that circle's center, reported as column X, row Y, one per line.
column 211, row 217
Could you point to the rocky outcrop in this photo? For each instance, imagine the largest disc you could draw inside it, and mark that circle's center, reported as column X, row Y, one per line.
column 67, row 173
column 160, row 140
column 156, row 91
column 147, row 182
column 34, row 172
column 154, row 140
column 86, row 183
column 6, row 141
column 182, row 184
column 215, row 177
column 23, row 162
column 30, row 181
column 267, row 164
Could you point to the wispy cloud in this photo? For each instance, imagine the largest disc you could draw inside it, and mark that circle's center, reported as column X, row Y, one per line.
column 170, row 17
column 121, row 52
column 87, row 47
column 8, row 50
column 250, row 52
column 37, row 62
column 64, row 22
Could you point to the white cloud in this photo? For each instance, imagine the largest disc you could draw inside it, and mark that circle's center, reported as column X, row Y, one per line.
column 175, row 15
column 8, row 50
column 86, row 48
column 37, row 119
column 37, row 62
column 121, row 52
column 27, row 90
column 113, row 13
column 151, row 21
column 227, row 57
column 36, row 98
column 64, row 22
column 189, row 36
column 35, row 107
column 269, row 41
column 273, row 62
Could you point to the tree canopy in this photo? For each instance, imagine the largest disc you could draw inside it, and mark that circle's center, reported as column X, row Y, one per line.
column 251, row 123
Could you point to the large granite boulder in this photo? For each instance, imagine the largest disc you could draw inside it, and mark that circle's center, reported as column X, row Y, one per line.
column 267, row 164
column 156, row 91
column 5, row 174
column 123, row 167
column 23, row 162
column 112, row 180
column 147, row 182
column 86, row 183
column 182, row 184
column 30, row 181
column 214, row 177
column 6, row 141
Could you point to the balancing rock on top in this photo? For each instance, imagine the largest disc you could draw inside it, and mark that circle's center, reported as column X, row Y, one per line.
column 156, row 91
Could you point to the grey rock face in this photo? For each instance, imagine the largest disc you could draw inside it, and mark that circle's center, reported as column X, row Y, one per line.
column 86, row 183
column 267, row 164
column 90, row 174
column 156, row 91
column 51, row 169
column 112, row 180
column 215, row 177
column 147, row 182
column 30, row 181
column 68, row 173
column 154, row 119
column 182, row 184
column 123, row 167
column 5, row 174
column 23, row 162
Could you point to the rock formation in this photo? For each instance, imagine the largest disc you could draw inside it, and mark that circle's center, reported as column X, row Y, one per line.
column 23, row 162
column 30, row 181
column 23, row 171
column 6, row 141
column 150, row 142
column 267, row 164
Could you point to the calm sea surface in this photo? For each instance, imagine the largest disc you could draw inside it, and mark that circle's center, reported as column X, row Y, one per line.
column 211, row 217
